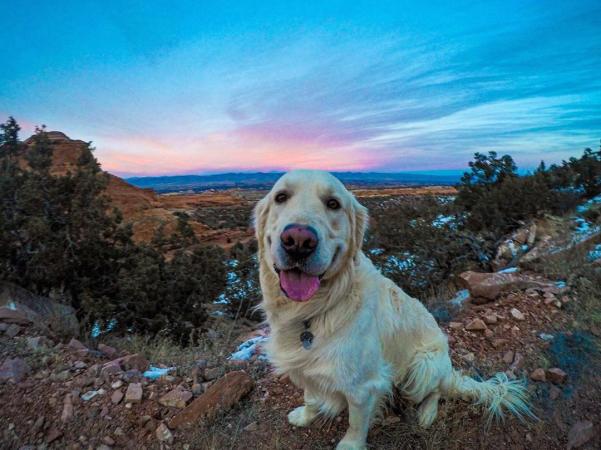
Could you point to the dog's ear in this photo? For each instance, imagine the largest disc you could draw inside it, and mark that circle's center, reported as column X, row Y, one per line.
column 359, row 222
column 259, row 219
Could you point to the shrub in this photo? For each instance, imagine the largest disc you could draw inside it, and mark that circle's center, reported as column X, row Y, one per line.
column 59, row 236
column 419, row 244
column 243, row 291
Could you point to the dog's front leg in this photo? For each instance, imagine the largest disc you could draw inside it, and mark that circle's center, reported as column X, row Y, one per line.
column 304, row 415
column 361, row 409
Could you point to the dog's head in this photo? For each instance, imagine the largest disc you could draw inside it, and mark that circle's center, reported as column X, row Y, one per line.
column 308, row 227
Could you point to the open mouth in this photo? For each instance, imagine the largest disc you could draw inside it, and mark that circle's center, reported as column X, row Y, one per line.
column 298, row 285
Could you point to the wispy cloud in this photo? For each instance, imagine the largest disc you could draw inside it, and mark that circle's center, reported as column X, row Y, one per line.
column 398, row 87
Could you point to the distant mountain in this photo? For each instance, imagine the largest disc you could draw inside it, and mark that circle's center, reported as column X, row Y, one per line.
column 264, row 180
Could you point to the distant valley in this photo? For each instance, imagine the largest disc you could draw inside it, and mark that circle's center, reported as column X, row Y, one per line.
column 264, row 180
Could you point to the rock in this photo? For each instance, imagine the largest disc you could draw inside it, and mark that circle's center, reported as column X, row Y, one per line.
column 488, row 333
column 580, row 433
column 9, row 315
column 176, row 398
column 76, row 345
column 517, row 314
column 89, row 395
column 67, row 413
column 455, row 325
column 134, row 393
column 110, row 368
column 135, row 362
column 117, row 396
column 469, row 357
column 42, row 312
column 556, row 375
column 251, row 427
column 15, row 369
column 508, row 357
column 78, row 365
column 53, row 435
column 117, row 384
column 491, row 319
column 489, row 286
column 538, row 375
column 13, row 330
column 476, row 325
column 164, row 434
column 108, row 441
column 219, row 397
column 107, row 350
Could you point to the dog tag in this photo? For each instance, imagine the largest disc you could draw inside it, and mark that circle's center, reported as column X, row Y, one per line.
column 306, row 338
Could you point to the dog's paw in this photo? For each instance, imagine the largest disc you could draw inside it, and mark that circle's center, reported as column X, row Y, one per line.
column 300, row 417
column 351, row 445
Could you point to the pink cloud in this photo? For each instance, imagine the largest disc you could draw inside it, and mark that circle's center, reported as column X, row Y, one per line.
column 257, row 147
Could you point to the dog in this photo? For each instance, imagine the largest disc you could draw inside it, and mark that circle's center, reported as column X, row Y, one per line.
column 343, row 332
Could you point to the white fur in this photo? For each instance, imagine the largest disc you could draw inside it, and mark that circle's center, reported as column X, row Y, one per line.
column 369, row 334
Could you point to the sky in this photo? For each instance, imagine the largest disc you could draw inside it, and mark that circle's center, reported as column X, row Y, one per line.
column 184, row 87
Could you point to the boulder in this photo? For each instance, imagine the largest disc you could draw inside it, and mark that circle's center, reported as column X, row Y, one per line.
column 20, row 306
column 219, row 397
column 126, row 363
column 485, row 287
column 176, row 398
column 134, row 393
column 15, row 369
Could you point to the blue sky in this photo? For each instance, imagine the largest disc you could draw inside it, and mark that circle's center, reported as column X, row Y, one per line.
column 193, row 87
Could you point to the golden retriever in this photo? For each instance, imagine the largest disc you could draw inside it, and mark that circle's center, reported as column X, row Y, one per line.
column 342, row 331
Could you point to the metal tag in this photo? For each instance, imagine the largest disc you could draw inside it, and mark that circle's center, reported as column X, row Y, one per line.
column 306, row 338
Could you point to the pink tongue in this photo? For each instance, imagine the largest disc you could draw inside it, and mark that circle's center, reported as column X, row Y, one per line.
column 298, row 286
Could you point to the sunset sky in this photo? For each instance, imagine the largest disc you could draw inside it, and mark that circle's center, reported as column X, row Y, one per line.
column 202, row 87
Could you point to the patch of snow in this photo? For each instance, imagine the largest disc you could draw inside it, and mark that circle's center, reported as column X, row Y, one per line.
column 12, row 305
column 560, row 284
column 546, row 336
column 595, row 253
column 97, row 329
column 525, row 248
column 154, row 373
column 588, row 204
column 509, row 270
column 442, row 220
column 460, row 297
column 401, row 264
column 247, row 349
column 376, row 251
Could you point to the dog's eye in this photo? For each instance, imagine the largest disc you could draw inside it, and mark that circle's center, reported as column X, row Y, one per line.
column 333, row 204
column 281, row 197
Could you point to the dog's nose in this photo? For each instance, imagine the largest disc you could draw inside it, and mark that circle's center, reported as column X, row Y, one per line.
column 299, row 241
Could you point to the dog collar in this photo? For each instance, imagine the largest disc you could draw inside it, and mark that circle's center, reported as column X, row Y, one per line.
column 306, row 336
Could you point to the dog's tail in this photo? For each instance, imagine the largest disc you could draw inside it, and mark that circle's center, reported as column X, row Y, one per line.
column 498, row 394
